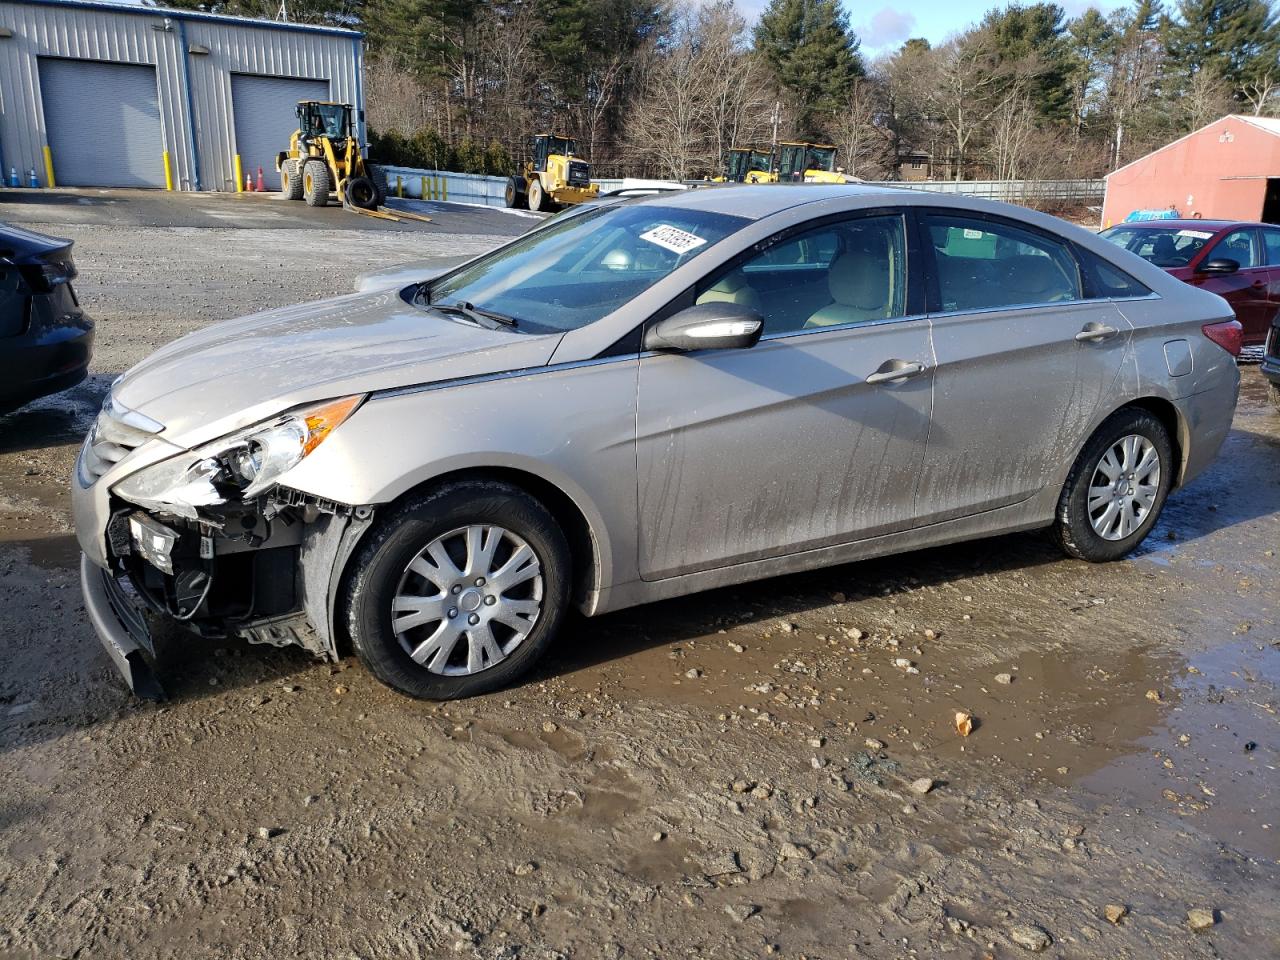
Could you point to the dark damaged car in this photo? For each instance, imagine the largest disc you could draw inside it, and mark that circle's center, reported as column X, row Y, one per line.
column 46, row 340
column 646, row 400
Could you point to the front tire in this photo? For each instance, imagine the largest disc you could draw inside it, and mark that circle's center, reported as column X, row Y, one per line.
column 290, row 182
column 315, row 183
column 459, row 591
column 1117, row 487
column 537, row 197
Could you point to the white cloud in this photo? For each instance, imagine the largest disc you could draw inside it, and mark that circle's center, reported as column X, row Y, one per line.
column 887, row 27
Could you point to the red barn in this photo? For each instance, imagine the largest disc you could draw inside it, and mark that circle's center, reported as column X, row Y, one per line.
column 1229, row 170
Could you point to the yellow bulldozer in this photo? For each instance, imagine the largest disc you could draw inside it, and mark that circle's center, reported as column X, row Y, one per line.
column 554, row 177
column 324, row 156
column 789, row 161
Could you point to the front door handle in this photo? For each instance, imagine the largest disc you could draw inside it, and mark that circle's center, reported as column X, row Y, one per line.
column 895, row 371
column 1096, row 332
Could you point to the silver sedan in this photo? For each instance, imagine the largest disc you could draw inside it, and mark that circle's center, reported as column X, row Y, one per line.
column 652, row 398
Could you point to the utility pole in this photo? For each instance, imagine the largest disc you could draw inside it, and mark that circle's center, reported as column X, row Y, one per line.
column 283, row 13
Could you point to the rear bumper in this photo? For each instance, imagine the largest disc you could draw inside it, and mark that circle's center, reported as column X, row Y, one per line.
column 121, row 627
column 30, row 369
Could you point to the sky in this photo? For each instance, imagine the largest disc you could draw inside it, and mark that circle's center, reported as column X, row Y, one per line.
column 882, row 27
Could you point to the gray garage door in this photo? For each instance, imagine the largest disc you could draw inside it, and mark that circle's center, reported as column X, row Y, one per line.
column 265, row 114
column 103, row 121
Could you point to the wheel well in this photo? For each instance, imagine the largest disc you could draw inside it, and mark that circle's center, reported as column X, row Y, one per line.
column 582, row 545
column 1167, row 414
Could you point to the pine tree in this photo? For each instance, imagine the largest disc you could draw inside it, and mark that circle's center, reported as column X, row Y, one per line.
column 813, row 55
column 1034, row 37
column 1236, row 40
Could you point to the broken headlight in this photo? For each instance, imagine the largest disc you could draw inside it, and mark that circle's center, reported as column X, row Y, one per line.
column 238, row 466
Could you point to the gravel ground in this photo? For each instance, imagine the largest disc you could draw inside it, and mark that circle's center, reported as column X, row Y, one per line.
column 742, row 773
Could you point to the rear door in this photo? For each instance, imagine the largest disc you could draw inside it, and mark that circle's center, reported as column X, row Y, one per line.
column 1023, row 362
column 813, row 437
column 1271, row 257
column 265, row 110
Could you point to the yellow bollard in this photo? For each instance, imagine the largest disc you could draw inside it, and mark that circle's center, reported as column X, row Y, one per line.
column 444, row 189
column 48, row 166
column 168, row 172
column 399, row 187
column 239, row 175
column 422, row 189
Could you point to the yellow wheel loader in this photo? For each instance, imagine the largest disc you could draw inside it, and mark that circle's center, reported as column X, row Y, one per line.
column 747, row 165
column 324, row 156
column 790, row 161
column 553, row 178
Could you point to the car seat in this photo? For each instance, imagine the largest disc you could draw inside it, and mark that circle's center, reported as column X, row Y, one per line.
column 860, row 283
column 731, row 288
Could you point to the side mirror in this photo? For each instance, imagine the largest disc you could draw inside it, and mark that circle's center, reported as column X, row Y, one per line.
column 1219, row 265
column 707, row 326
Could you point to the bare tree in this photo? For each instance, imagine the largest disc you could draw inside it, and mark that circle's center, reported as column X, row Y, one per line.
column 866, row 143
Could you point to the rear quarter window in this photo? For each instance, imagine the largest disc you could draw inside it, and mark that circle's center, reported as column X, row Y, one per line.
column 1105, row 280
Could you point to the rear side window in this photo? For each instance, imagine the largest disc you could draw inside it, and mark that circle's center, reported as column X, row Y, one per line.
column 1108, row 280
column 1271, row 247
column 985, row 265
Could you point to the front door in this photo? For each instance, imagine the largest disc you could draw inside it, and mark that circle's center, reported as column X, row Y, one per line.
column 1023, row 362
column 811, row 438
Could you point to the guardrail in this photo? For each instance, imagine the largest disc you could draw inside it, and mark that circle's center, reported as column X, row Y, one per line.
column 488, row 191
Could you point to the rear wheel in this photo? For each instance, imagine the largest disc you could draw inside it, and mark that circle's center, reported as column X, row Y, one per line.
column 290, row 182
column 315, row 183
column 514, row 195
column 1116, row 488
column 458, row 592
column 379, row 178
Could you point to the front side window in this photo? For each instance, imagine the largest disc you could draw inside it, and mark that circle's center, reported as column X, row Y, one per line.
column 850, row 271
column 1238, row 246
column 567, row 275
column 1166, row 247
column 985, row 265
column 1271, row 247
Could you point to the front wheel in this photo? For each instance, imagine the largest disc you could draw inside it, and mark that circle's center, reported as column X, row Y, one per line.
column 459, row 591
column 1116, row 488
column 537, row 197
column 315, row 183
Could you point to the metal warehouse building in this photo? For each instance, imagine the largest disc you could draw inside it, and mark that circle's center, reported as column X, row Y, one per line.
column 106, row 95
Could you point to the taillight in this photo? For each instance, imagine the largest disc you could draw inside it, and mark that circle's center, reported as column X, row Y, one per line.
column 1228, row 334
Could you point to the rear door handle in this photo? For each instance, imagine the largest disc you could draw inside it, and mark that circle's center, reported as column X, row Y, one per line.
column 1096, row 333
column 895, row 371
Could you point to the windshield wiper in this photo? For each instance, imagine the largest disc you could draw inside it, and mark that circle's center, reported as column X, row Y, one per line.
column 484, row 318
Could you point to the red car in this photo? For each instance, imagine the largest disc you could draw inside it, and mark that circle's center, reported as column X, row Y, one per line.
column 1238, row 261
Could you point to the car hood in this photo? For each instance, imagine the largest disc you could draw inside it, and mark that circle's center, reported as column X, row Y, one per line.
column 404, row 274
column 240, row 372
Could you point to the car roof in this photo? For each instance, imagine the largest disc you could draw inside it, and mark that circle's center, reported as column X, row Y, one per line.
column 1182, row 224
column 756, row 201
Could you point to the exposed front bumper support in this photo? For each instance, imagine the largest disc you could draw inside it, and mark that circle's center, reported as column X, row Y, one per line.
column 121, row 628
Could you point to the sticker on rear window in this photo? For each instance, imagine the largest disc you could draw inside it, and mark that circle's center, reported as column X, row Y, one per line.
column 970, row 234
column 673, row 239
column 1198, row 234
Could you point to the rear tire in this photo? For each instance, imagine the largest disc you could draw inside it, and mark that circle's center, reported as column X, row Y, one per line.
column 537, row 197
column 290, row 182
column 379, row 178
column 315, row 183
column 1117, row 487
column 514, row 195
column 398, row 573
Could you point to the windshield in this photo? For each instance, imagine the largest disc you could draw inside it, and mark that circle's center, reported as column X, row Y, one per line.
column 1163, row 246
column 329, row 120
column 569, row 274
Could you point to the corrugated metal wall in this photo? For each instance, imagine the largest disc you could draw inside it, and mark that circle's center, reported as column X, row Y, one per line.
column 196, row 109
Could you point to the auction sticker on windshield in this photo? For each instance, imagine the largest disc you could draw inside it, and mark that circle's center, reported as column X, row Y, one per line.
column 1197, row 234
column 673, row 239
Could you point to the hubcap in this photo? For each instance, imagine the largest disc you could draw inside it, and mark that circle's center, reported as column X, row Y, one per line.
column 467, row 600
column 1124, row 485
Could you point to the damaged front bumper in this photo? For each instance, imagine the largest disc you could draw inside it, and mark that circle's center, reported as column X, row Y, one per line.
column 265, row 570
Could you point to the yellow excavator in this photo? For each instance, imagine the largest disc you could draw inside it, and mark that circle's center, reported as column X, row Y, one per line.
column 324, row 156
column 555, row 177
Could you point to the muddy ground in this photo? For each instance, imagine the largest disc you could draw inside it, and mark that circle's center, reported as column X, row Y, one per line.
column 727, row 775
